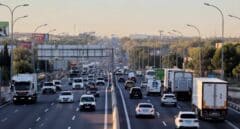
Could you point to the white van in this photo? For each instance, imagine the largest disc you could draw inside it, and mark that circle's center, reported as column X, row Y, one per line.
column 153, row 87
column 77, row 83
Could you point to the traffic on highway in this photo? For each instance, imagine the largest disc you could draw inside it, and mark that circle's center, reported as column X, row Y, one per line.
column 119, row 64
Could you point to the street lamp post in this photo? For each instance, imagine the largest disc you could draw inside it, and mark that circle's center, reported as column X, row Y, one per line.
column 222, row 54
column 200, row 55
column 232, row 16
column 178, row 43
column 50, row 31
column 12, row 10
column 14, row 22
column 33, row 44
column 160, row 32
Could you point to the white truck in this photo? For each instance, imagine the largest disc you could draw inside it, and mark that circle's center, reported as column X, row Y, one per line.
column 24, row 88
column 149, row 74
column 153, row 87
column 209, row 98
column 178, row 82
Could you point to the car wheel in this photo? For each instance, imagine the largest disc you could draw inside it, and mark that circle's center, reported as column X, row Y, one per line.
column 136, row 116
column 162, row 104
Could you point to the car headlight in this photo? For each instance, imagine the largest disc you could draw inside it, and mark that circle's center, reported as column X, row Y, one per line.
column 29, row 98
column 93, row 103
column 81, row 103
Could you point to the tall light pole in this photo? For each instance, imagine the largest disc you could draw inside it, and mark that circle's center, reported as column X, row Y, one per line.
column 232, row 16
column 222, row 54
column 12, row 10
column 18, row 18
column 33, row 44
column 200, row 55
column 181, row 36
column 160, row 38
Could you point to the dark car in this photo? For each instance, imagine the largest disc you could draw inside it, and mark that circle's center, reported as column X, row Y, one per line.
column 129, row 84
column 135, row 92
column 121, row 79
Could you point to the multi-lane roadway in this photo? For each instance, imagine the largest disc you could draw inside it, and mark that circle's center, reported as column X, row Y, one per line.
column 47, row 113
column 164, row 118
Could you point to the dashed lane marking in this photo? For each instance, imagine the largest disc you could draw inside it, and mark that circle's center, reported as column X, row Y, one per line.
column 73, row 118
column 77, row 109
column 46, row 110
column 16, row 111
column 158, row 114
column 3, row 120
column 69, row 127
column 231, row 124
column 164, row 123
column 38, row 119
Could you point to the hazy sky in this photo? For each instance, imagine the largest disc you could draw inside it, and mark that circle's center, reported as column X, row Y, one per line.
column 124, row 17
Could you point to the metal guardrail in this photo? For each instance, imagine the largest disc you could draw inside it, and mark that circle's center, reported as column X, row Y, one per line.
column 234, row 106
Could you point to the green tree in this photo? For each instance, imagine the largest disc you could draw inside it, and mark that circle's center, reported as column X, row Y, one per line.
column 22, row 60
column 5, row 63
column 236, row 71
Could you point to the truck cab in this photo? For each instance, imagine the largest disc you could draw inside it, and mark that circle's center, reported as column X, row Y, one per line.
column 24, row 88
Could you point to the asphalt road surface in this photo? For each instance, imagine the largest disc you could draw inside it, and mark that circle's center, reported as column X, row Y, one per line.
column 47, row 113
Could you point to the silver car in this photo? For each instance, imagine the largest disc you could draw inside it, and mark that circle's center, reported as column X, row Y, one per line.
column 145, row 109
column 169, row 99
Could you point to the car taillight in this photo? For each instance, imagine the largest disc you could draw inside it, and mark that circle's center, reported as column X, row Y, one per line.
column 180, row 120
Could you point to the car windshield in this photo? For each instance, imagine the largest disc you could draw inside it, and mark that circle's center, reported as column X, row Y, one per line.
column 48, row 84
column 77, row 80
column 73, row 75
column 87, row 99
column 145, row 106
column 155, row 84
column 169, row 96
column 66, row 93
column 22, row 85
column 187, row 116
column 151, row 73
column 57, row 83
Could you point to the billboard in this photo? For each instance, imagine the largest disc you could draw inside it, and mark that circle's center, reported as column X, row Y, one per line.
column 25, row 44
column 40, row 38
column 4, row 29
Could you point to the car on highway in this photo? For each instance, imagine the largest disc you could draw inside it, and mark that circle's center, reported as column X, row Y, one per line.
column 169, row 99
column 129, row 84
column 135, row 92
column 48, row 87
column 139, row 73
column 65, row 96
column 87, row 102
column 100, row 81
column 58, row 84
column 186, row 119
column 143, row 84
column 145, row 109
column 93, row 90
column 121, row 79
column 77, row 83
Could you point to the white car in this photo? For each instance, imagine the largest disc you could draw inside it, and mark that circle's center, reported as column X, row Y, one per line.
column 48, row 87
column 65, row 96
column 145, row 109
column 144, row 84
column 87, row 102
column 77, row 83
column 186, row 119
column 100, row 81
column 169, row 99
column 58, row 84
column 139, row 73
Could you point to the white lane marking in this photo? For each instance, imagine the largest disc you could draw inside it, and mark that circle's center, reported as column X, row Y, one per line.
column 178, row 106
column 16, row 111
column 38, row 119
column 73, row 118
column 69, row 127
column 158, row 114
column 46, row 110
column 106, row 107
column 52, row 104
column 4, row 105
column 41, row 125
column 234, row 110
column 125, row 109
column 164, row 123
column 148, row 100
column 77, row 109
column 30, row 128
column 3, row 120
column 231, row 124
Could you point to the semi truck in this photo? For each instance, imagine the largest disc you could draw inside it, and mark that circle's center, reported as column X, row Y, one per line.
column 209, row 98
column 179, row 82
column 24, row 88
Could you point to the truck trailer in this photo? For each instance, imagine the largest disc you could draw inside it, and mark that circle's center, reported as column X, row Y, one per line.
column 209, row 98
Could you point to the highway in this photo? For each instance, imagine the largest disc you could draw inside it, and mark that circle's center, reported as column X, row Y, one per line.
column 164, row 117
column 47, row 113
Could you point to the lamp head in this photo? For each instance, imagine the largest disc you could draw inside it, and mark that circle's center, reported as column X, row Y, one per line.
column 207, row 4
column 25, row 5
